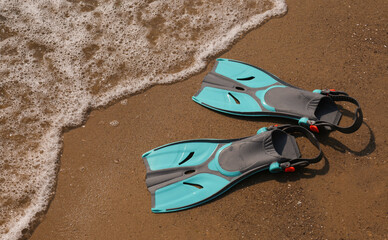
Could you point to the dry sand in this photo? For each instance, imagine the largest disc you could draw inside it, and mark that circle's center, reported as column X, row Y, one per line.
column 101, row 191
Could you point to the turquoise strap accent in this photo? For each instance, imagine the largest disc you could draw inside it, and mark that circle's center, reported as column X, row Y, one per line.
column 317, row 91
column 275, row 167
column 303, row 121
column 261, row 130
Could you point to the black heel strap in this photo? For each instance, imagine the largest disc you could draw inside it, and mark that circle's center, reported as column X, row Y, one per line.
column 303, row 162
column 358, row 116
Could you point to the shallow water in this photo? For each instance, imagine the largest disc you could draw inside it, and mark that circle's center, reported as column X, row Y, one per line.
column 60, row 58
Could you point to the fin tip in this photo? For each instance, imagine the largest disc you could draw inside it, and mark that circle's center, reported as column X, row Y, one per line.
column 146, row 154
column 195, row 99
column 221, row 59
column 156, row 210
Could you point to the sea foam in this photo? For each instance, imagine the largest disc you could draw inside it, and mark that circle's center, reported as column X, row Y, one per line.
column 60, row 58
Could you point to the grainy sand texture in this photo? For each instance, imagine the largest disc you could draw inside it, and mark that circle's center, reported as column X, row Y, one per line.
column 101, row 191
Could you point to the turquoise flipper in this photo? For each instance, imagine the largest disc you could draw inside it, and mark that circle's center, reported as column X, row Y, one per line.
column 238, row 88
column 186, row 174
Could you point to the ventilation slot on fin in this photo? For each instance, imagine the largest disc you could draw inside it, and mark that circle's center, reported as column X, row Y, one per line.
column 246, row 78
column 189, row 172
column 240, row 88
column 187, row 158
column 235, row 99
column 194, row 185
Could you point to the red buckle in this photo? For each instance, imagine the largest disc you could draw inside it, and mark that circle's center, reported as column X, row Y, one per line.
column 314, row 128
column 289, row 169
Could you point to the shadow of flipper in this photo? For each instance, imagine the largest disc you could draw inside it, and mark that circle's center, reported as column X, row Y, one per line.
column 338, row 146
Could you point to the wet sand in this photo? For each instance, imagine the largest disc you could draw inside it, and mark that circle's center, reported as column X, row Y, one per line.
column 101, row 191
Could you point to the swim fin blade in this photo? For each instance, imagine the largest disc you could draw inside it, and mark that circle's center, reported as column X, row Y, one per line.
column 186, row 174
column 238, row 88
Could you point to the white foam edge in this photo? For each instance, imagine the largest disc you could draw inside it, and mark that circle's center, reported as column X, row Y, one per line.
column 41, row 202
column 215, row 46
column 51, row 145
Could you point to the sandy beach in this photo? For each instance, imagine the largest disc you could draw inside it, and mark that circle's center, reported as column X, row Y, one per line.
column 101, row 191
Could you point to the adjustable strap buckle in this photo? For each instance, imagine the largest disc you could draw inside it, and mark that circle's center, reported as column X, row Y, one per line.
column 309, row 124
column 272, row 127
column 330, row 92
column 324, row 91
column 338, row 96
column 276, row 167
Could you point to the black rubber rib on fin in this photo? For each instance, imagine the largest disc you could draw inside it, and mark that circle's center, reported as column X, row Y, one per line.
column 246, row 78
column 235, row 99
column 194, row 185
column 189, row 172
column 187, row 158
